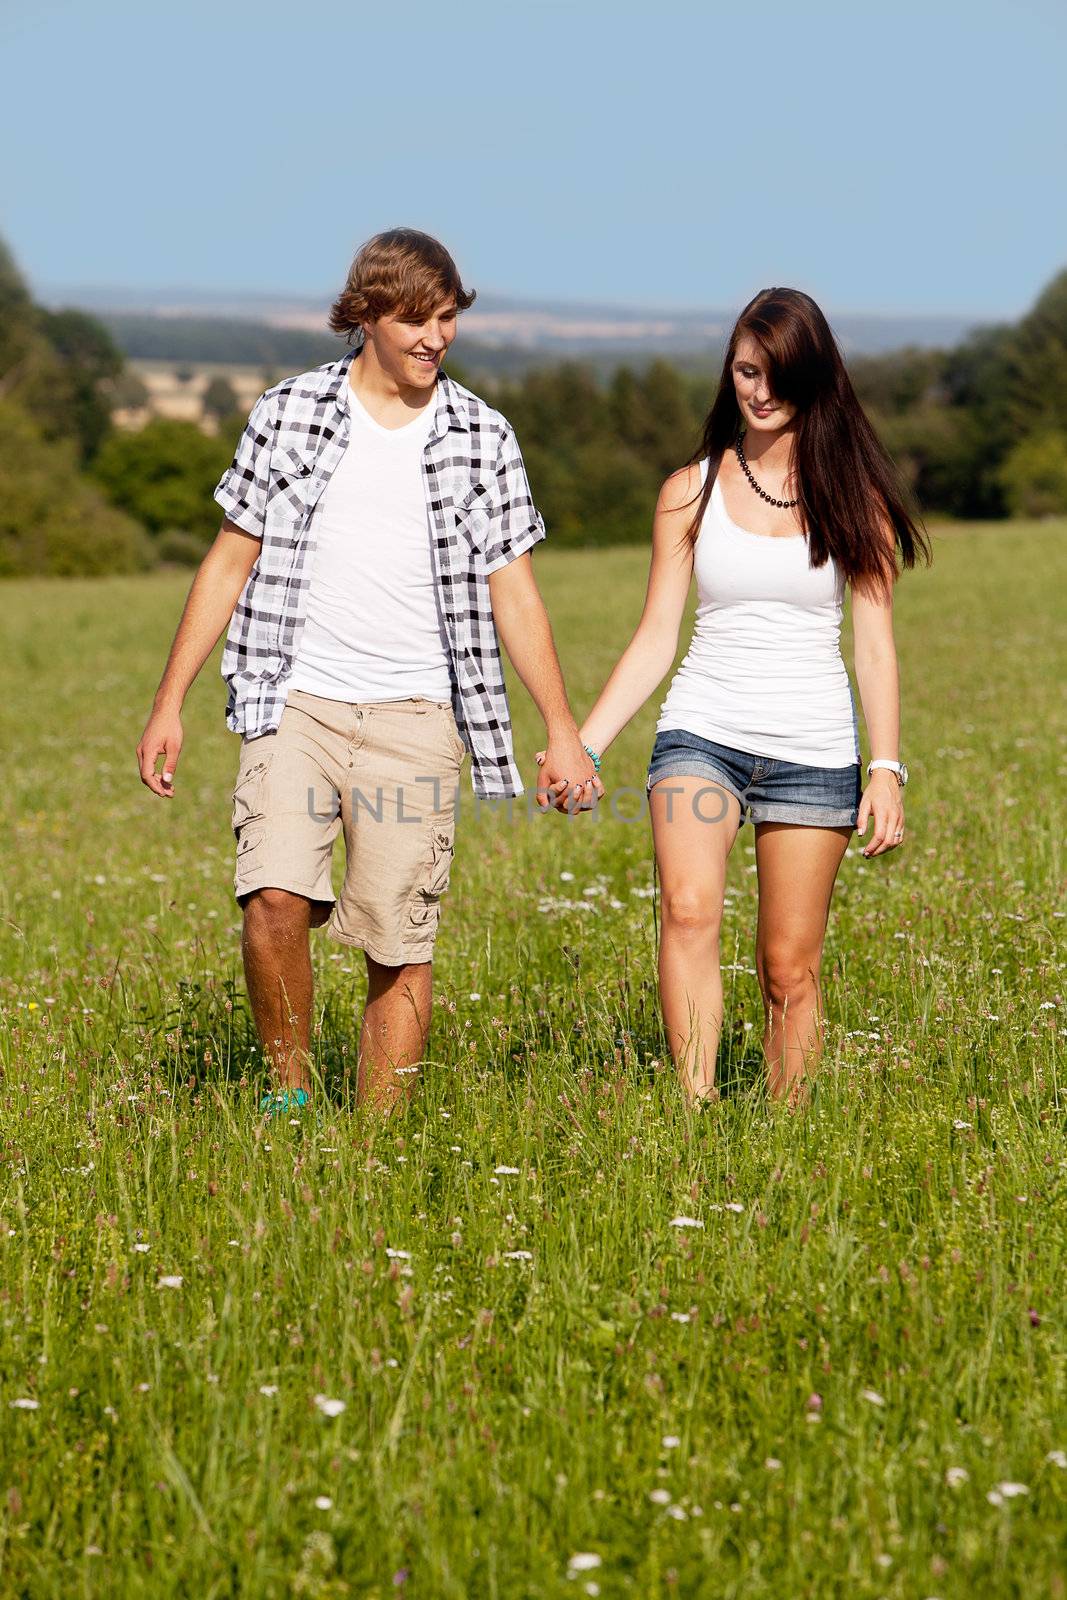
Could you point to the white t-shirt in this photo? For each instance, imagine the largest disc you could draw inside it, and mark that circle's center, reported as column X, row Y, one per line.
column 373, row 629
column 764, row 673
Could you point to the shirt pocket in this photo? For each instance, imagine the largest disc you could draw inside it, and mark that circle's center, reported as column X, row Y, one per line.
column 291, row 472
column 474, row 516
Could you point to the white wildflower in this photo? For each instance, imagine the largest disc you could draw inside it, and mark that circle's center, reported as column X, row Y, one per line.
column 268, row 1389
column 170, row 1280
column 660, row 1497
column 955, row 1477
column 518, row 1255
column 583, row 1560
column 671, row 1441
column 1058, row 1458
column 328, row 1407
column 142, row 1249
column 773, row 1464
column 24, row 1404
column 507, row 1172
column 872, row 1396
column 323, row 1502
column 685, row 1222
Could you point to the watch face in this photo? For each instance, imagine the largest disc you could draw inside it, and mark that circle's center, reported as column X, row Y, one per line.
column 903, row 774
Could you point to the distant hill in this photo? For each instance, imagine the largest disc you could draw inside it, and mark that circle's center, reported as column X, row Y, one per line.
column 510, row 335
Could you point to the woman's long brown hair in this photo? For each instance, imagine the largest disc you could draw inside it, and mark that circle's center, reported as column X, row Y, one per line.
column 847, row 483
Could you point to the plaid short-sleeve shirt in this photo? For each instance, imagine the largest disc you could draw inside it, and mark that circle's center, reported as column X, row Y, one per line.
column 480, row 515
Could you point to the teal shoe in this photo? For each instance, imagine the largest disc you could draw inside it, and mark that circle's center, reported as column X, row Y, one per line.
column 279, row 1102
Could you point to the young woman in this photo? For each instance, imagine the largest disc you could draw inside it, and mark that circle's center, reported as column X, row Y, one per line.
column 789, row 497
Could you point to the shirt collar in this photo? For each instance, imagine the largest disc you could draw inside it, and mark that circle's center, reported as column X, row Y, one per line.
column 451, row 410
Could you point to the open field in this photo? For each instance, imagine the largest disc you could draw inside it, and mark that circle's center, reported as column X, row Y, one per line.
column 844, row 1376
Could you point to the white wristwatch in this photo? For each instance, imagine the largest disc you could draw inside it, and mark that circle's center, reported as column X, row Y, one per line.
column 892, row 766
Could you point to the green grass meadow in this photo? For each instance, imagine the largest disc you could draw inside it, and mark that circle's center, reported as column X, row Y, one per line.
column 545, row 1335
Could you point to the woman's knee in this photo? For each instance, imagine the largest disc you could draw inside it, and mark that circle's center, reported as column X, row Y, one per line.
column 691, row 913
column 787, row 973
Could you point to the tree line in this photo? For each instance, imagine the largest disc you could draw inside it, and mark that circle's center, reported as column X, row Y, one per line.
column 978, row 431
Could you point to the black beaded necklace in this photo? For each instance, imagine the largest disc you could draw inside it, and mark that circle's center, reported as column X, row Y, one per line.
column 784, row 505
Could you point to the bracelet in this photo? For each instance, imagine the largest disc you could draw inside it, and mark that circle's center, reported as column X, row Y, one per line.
column 594, row 758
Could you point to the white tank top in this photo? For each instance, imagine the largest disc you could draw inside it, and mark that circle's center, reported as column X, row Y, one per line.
column 764, row 672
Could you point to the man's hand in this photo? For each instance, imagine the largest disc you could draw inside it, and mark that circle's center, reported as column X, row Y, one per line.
column 162, row 737
column 568, row 780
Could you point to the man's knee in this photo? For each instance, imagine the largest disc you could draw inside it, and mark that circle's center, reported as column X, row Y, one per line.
column 411, row 974
column 277, row 911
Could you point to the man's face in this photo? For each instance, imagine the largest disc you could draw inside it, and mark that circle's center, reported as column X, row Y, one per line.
column 410, row 350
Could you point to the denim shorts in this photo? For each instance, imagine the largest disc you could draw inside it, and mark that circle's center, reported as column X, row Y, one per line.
column 769, row 789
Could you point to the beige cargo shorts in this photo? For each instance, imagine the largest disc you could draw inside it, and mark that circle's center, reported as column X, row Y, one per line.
column 387, row 774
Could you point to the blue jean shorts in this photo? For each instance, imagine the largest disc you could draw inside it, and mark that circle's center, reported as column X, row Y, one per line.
column 768, row 789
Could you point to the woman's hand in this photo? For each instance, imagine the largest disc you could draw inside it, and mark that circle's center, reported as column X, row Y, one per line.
column 581, row 796
column 882, row 800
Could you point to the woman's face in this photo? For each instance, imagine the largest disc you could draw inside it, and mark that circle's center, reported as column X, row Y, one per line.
column 755, row 401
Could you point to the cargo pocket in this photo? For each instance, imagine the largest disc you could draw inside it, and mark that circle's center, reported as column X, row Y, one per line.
column 248, row 795
column 424, row 907
column 248, row 844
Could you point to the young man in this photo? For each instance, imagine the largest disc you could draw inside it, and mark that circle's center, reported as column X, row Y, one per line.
column 376, row 539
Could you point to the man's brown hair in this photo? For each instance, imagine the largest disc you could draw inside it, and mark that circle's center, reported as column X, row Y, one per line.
column 398, row 273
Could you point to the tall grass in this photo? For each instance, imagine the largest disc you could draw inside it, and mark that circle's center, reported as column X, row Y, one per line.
column 584, row 1343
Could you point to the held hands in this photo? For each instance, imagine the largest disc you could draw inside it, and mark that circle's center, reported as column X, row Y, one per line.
column 882, row 801
column 567, row 781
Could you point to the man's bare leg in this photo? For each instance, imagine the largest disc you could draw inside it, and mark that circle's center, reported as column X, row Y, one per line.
column 277, row 960
column 396, row 1026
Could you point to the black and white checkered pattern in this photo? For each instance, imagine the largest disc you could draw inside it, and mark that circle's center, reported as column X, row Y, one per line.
column 481, row 517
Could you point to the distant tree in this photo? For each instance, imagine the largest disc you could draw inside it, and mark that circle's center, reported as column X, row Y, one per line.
column 560, row 406
column 1034, row 476
column 653, row 414
column 17, row 314
column 128, row 392
column 893, row 383
column 1037, row 364
column 938, row 452
column 91, row 360
column 220, row 398
column 978, row 380
column 55, row 364
column 52, row 519
column 164, row 475
column 614, row 495
column 176, row 547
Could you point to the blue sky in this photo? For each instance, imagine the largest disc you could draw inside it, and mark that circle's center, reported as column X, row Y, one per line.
column 900, row 157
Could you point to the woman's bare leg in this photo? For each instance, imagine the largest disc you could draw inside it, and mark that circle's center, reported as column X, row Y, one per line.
column 694, row 825
column 796, row 868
